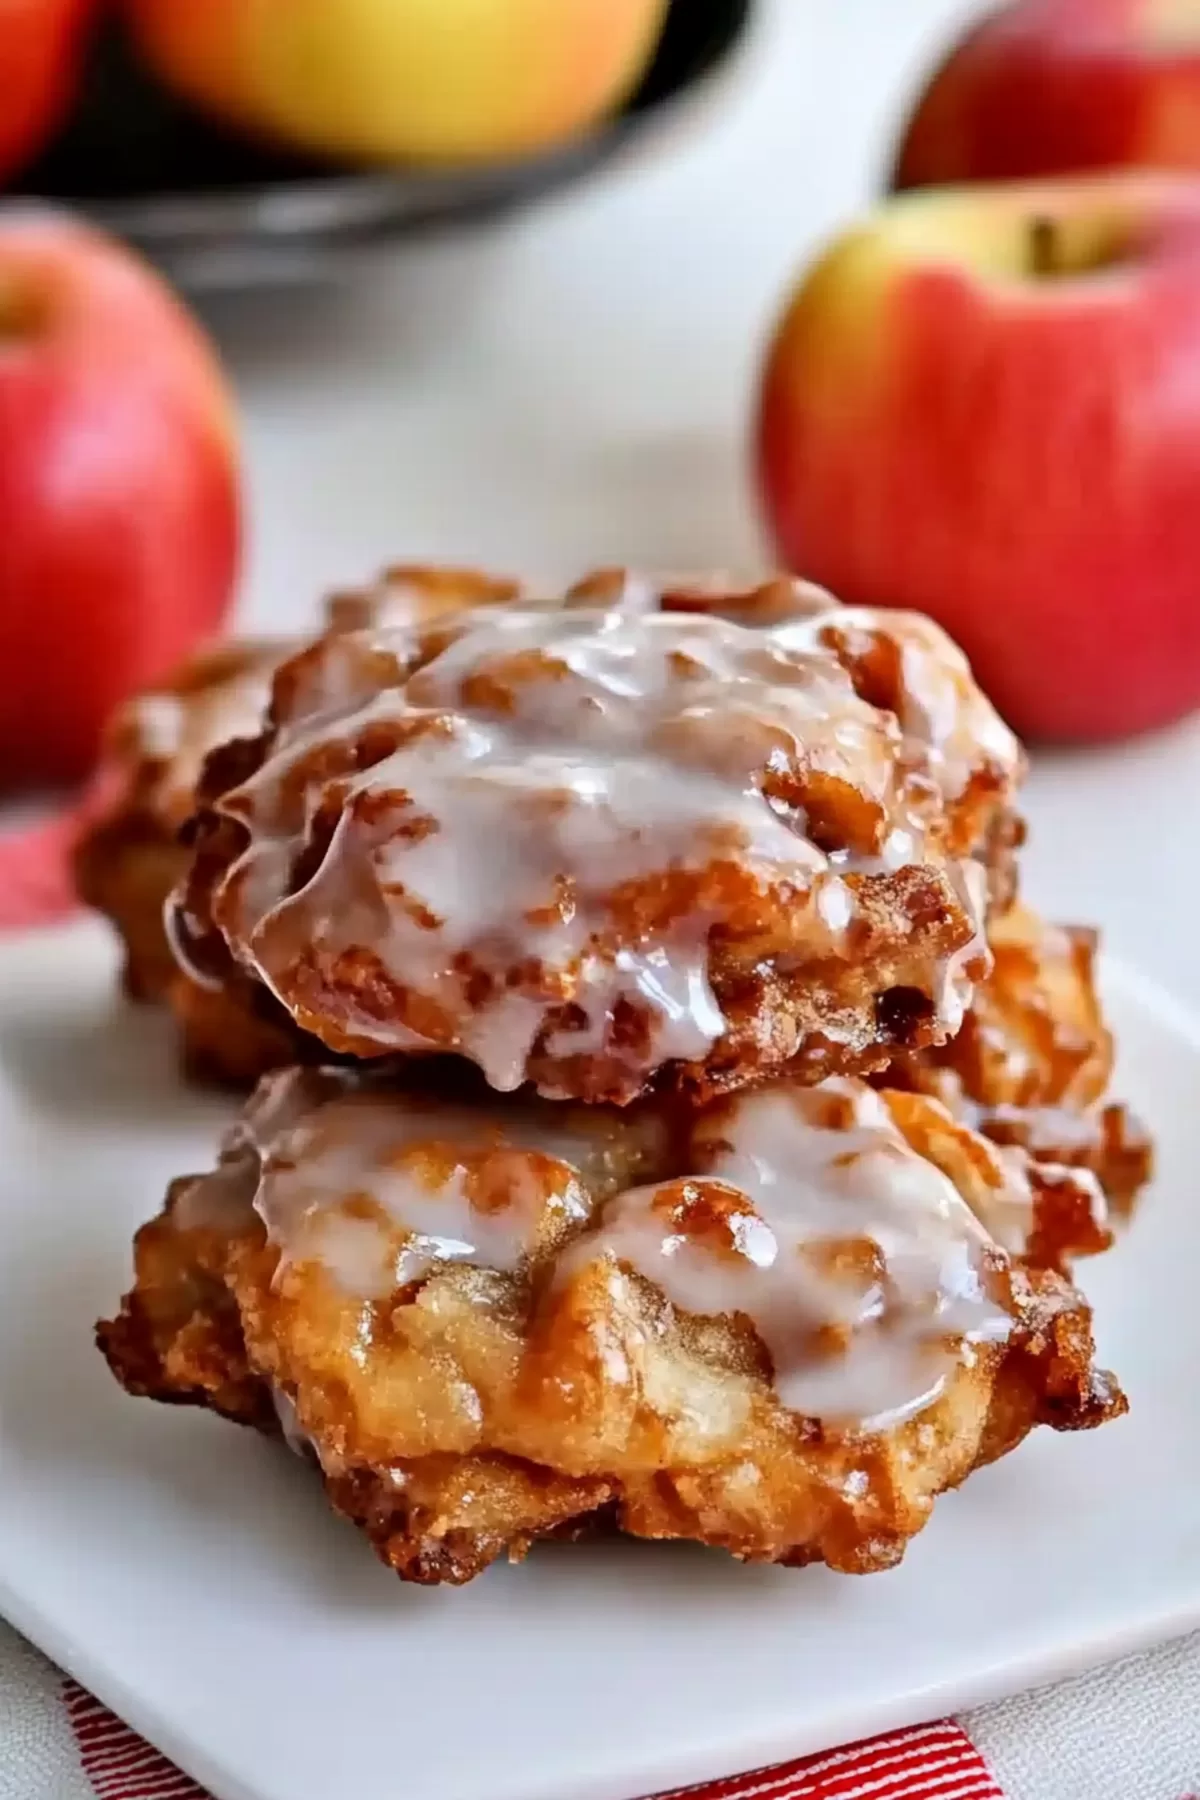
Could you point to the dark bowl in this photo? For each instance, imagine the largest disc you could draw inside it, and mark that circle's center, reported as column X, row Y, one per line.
column 221, row 213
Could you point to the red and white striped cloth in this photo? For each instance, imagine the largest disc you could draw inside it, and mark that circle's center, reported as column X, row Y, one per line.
column 932, row 1762
column 117, row 1762
column 1131, row 1732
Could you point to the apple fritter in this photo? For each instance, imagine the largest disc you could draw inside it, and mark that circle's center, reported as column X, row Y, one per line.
column 417, row 594
column 136, row 853
column 780, row 1326
column 131, row 858
column 1032, row 1063
column 613, row 843
column 232, row 1034
column 900, row 662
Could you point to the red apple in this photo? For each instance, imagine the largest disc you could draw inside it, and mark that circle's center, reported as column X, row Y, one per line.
column 1047, row 87
column 118, row 490
column 984, row 404
column 40, row 45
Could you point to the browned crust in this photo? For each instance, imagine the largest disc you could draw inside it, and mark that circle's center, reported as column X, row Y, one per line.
column 558, row 1442
column 806, row 1018
column 1032, row 1063
column 844, row 1016
column 1109, row 1140
column 445, row 1518
column 125, row 867
column 131, row 858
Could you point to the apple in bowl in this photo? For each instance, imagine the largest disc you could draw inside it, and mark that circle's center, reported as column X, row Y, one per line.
column 119, row 491
column 429, row 81
column 1048, row 87
column 984, row 404
column 41, row 43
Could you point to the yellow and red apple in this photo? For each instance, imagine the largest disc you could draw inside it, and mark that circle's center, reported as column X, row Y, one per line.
column 391, row 80
column 984, row 404
column 1048, row 87
column 40, row 46
column 119, row 495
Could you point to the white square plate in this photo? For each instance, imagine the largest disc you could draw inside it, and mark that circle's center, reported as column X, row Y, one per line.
column 191, row 1576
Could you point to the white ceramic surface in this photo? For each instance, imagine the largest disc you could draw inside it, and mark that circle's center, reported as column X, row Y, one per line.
column 191, row 1575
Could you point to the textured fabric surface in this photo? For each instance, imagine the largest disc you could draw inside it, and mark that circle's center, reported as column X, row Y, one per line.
column 118, row 1764
column 1127, row 1732
column 38, row 1755
column 1130, row 1731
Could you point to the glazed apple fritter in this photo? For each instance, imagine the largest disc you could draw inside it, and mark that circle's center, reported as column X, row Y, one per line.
column 131, row 859
column 780, row 1326
column 1033, row 1057
column 615, row 842
column 1033, row 1061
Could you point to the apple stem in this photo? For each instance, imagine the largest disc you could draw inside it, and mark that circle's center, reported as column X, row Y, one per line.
column 1044, row 246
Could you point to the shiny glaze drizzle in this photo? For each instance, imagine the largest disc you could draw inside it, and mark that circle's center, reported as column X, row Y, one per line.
column 944, row 714
column 744, row 599
column 941, row 709
column 381, row 1195
column 803, row 1211
column 379, row 1188
column 416, row 594
column 223, row 1200
column 539, row 762
column 859, row 1264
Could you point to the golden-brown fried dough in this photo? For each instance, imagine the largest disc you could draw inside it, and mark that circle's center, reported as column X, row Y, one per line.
column 132, row 858
column 417, row 594
column 781, row 1326
column 1032, row 1063
column 232, row 1035
column 899, row 662
column 1036, row 1034
column 598, row 846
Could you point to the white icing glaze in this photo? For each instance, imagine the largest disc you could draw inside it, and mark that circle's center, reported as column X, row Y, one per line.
column 415, row 594
column 357, row 1149
column 941, row 710
column 941, row 707
column 802, row 1210
column 1041, row 1128
column 545, row 758
column 746, row 599
column 220, row 1201
column 380, row 1187
column 1009, row 1211
column 223, row 1199
column 959, row 972
column 294, row 1434
column 1039, row 1134
column 858, row 1263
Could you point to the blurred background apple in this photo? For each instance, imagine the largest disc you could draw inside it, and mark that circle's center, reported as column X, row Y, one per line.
column 416, row 80
column 1043, row 87
column 119, row 494
column 981, row 403
column 40, row 47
